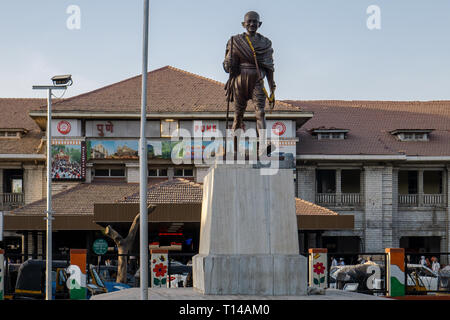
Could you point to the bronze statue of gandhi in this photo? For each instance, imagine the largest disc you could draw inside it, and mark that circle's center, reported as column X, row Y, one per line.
column 249, row 59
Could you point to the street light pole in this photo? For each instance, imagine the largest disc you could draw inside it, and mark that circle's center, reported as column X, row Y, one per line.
column 143, row 170
column 49, row 211
column 48, row 275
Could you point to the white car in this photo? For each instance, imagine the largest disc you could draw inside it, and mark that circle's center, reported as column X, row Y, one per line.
column 422, row 278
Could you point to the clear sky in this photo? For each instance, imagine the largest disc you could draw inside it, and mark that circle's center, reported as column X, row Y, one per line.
column 323, row 48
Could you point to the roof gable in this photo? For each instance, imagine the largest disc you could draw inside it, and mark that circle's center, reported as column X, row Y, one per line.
column 169, row 90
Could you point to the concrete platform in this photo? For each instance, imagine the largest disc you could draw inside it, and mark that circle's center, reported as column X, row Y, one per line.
column 248, row 234
column 191, row 294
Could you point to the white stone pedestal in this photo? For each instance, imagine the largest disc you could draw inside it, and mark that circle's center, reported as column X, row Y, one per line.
column 248, row 235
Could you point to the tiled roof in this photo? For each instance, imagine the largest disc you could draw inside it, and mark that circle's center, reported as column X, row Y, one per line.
column 14, row 115
column 185, row 191
column 81, row 199
column 171, row 191
column 370, row 124
column 303, row 207
column 169, row 90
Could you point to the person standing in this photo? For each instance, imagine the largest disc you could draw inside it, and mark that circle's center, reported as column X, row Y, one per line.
column 436, row 266
column 334, row 262
column 427, row 261
column 423, row 261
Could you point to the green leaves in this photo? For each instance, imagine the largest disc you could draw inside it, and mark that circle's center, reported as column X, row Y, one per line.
column 317, row 281
column 159, row 281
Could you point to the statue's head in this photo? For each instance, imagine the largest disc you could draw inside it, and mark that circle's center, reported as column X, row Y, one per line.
column 251, row 22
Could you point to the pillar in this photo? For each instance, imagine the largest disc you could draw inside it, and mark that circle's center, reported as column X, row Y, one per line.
column 306, row 183
column 318, row 264
column 24, row 246
column 395, row 272
column 373, row 207
column 338, row 186
column 77, row 288
column 34, row 244
column 420, row 188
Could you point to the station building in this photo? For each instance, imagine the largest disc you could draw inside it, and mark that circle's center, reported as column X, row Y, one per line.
column 367, row 175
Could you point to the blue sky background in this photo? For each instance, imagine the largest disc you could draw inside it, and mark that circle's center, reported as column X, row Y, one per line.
column 323, row 49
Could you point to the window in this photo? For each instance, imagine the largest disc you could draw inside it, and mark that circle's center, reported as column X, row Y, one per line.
column 326, row 181
column 350, row 181
column 331, row 134
column 168, row 127
column 9, row 134
column 109, row 172
column 432, row 182
column 412, row 135
column 184, row 173
column 408, row 182
column 157, row 172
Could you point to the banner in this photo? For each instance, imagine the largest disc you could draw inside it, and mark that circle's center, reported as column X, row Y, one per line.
column 68, row 159
column 112, row 149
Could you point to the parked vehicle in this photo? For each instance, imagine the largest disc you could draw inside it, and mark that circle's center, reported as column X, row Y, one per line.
column 30, row 283
column 363, row 278
column 108, row 275
column 421, row 279
column 10, row 280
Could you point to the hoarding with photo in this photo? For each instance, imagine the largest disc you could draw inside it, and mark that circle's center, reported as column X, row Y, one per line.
column 68, row 160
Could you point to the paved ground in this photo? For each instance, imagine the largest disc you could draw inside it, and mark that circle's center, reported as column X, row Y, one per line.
column 190, row 294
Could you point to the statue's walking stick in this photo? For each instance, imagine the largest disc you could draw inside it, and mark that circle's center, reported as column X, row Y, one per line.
column 229, row 85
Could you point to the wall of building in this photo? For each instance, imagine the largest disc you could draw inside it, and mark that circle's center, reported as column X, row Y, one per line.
column 306, row 183
column 381, row 222
column 34, row 180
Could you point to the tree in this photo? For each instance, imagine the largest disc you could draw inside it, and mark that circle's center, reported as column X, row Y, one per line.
column 124, row 245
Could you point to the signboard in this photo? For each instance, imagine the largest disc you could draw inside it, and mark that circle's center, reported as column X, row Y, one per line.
column 2, row 274
column 159, row 267
column 161, row 149
column 112, row 149
column 68, row 159
column 281, row 128
column 121, row 129
column 100, row 246
column 208, row 128
column 66, row 128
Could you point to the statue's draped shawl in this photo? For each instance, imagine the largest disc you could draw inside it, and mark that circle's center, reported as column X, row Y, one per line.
column 242, row 50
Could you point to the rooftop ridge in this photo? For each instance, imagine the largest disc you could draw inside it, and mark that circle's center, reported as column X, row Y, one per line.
column 137, row 76
column 194, row 75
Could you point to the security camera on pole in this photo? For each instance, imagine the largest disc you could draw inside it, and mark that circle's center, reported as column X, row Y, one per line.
column 59, row 83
